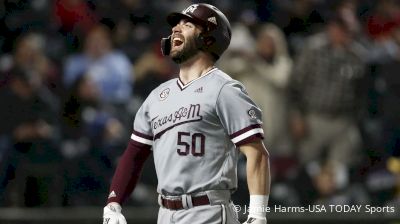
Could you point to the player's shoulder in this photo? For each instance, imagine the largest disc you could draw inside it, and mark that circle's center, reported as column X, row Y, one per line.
column 227, row 82
column 222, row 79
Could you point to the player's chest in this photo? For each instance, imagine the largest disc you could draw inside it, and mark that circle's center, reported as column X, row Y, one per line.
column 177, row 106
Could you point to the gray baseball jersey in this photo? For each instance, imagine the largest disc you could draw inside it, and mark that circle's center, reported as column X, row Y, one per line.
column 194, row 130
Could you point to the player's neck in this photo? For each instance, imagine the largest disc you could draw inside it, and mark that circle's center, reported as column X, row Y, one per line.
column 193, row 69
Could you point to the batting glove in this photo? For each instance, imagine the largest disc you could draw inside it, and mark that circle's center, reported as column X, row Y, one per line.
column 256, row 220
column 112, row 214
column 257, row 212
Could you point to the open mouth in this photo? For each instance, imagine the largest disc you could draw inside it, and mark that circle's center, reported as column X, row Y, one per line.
column 177, row 41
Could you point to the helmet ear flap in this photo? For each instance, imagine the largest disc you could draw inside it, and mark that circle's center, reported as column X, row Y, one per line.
column 209, row 40
column 205, row 41
column 200, row 41
column 166, row 45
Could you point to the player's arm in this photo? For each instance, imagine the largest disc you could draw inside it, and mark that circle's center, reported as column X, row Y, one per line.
column 124, row 181
column 258, row 179
column 242, row 119
column 130, row 166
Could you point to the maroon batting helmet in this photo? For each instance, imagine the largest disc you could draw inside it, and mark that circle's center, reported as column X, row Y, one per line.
column 216, row 36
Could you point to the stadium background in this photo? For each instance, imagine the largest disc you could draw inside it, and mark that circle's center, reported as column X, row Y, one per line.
column 74, row 72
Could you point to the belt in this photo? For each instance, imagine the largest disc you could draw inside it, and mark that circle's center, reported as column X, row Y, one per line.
column 177, row 204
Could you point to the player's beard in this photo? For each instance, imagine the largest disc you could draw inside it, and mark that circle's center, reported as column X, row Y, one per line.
column 189, row 49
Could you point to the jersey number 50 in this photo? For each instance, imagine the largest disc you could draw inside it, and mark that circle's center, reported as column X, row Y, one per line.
column 190, row 144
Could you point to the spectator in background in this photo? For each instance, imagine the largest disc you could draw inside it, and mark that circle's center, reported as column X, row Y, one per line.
column 326, row 93
column 384, row 19
column 348, row 10
column 18, row 17
column 131, row 22
column 110, row 70
column 331, row 187
column 29, row 120
column 30, row 55
column 91, row 136
column 74, row 19
column 389, row 104
column 302, row 18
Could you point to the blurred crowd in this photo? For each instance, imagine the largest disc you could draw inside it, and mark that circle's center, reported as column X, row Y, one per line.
column 74, row 72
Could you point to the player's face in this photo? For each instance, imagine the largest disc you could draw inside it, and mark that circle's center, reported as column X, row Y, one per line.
column 183, row 41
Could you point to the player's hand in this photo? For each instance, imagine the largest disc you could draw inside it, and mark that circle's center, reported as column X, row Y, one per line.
column 112, row 214
column 251, row 220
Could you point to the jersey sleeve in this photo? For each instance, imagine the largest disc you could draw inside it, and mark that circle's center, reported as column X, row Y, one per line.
column 142, row 132
column 239, row 115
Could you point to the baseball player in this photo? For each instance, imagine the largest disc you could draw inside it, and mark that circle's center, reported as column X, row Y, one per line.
column 196, row 125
